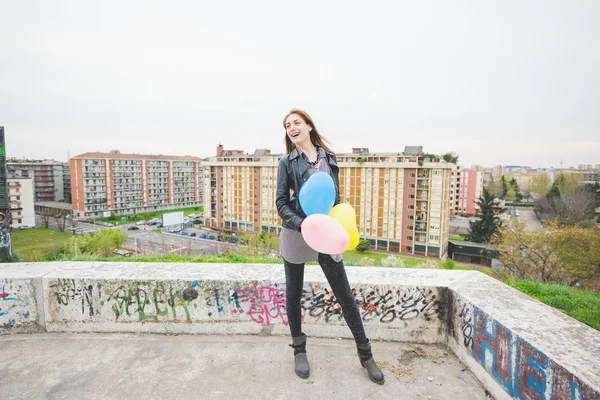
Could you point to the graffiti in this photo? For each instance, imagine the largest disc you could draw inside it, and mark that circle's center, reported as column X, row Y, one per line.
column 67, row 291
column 383, row 304
column 264, row 304
column 150, row 303
column 523, row 371
column 397, row 304
column 466, row 326
column 321, row 303
column 15, row 305
column 568, row 386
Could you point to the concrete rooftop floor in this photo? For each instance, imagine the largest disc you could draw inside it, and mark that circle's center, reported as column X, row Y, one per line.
column 154, row 366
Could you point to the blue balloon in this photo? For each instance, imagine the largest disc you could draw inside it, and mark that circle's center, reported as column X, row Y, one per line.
column 317, row 194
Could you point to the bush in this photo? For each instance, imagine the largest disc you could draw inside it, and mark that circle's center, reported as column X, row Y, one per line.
column 511, row 204
column 393, row 262
column 448, row 264
column 429, row 264
column 104, row 242
column 363, row 245
column 365, row 262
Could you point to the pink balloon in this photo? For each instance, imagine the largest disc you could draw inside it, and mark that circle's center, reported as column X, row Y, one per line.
column 324, row 234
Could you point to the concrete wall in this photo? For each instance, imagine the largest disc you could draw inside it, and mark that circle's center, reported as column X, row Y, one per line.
column 515, row 345
column 518, row 347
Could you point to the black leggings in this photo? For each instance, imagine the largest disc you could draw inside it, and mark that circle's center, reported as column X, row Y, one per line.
column 336, row 276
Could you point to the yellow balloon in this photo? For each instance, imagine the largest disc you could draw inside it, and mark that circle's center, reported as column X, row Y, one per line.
column 346, row 216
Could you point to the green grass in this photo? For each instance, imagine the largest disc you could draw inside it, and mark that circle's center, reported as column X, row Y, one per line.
column 456, row 237
column 30, row 244
column 154, row 214
column 40, row 244
column 354, row 257
column 583, row 305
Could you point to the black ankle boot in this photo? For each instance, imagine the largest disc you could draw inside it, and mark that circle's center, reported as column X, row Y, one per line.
column 367, row 361
column 301, row 361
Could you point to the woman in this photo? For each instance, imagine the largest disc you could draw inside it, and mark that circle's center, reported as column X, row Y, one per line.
column 307, row 153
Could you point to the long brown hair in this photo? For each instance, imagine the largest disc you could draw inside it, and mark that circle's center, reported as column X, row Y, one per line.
column 315, row 138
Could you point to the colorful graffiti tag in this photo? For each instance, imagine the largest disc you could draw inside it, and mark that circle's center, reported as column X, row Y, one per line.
column 523, row 371
column 15, row 303
column 261, row 303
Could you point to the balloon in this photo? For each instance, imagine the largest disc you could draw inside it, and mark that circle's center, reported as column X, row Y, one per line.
column 317, row 194
column 346, row 216
column 324, row 234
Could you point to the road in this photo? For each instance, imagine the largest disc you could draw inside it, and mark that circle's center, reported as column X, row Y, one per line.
column 149, row 242
column 533, row 222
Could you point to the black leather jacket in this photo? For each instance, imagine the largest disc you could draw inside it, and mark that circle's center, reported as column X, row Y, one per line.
column 293, row 172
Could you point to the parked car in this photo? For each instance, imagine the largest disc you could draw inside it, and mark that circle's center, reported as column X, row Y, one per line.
column 202, row 236
column 142, row 222
column 193, row 234
column 133, row 228
column 25, row 226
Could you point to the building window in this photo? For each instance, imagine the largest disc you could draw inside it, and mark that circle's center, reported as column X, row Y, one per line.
column 410, row 227
column 411, row 217
column 411, row 207
column 411, row 185
column 434, row 238
column 409, row 238
column 411, row 196
column 412, row 175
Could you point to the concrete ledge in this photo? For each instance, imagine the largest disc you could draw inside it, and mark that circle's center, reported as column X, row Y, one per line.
column 529, row 350
column 515, row 345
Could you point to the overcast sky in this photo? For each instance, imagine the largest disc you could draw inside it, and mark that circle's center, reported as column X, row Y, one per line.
column 498, row 82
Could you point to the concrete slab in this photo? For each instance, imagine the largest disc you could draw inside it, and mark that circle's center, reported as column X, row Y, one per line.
column 145, row 366
column 529, row 329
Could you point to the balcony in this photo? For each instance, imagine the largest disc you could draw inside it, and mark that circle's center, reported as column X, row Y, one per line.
column 421, row 238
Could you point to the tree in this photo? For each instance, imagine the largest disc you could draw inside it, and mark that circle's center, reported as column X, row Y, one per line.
column 540, row 184
column 510, row 194
column 495, row 188
column 363, row 245
column 566, row 183
column 514, row 184
column 61, row 219
column 484, row 228
column 451, row 157
column 565, row 255
column 45, row 216
column 504, row 185
column 573, row 207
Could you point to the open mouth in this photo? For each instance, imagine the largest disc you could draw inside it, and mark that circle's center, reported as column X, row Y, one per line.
column 295, row 134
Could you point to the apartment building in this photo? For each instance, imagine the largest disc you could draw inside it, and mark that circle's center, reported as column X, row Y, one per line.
column 402, row 200
column 128, row 183
column 48, row 177
column 590, row 176
column 465, row 189
column 21, row 201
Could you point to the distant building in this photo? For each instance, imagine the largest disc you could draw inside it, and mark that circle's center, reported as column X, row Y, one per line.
column 48, row 178
column 590, row 176
column 21, row 200
column 128, row 183
column 402, row 199
column 465, row 189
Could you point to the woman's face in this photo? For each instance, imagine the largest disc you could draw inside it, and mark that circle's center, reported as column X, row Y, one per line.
column 297, row 130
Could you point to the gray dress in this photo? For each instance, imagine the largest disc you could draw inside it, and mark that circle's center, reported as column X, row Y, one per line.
column 292, row 246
